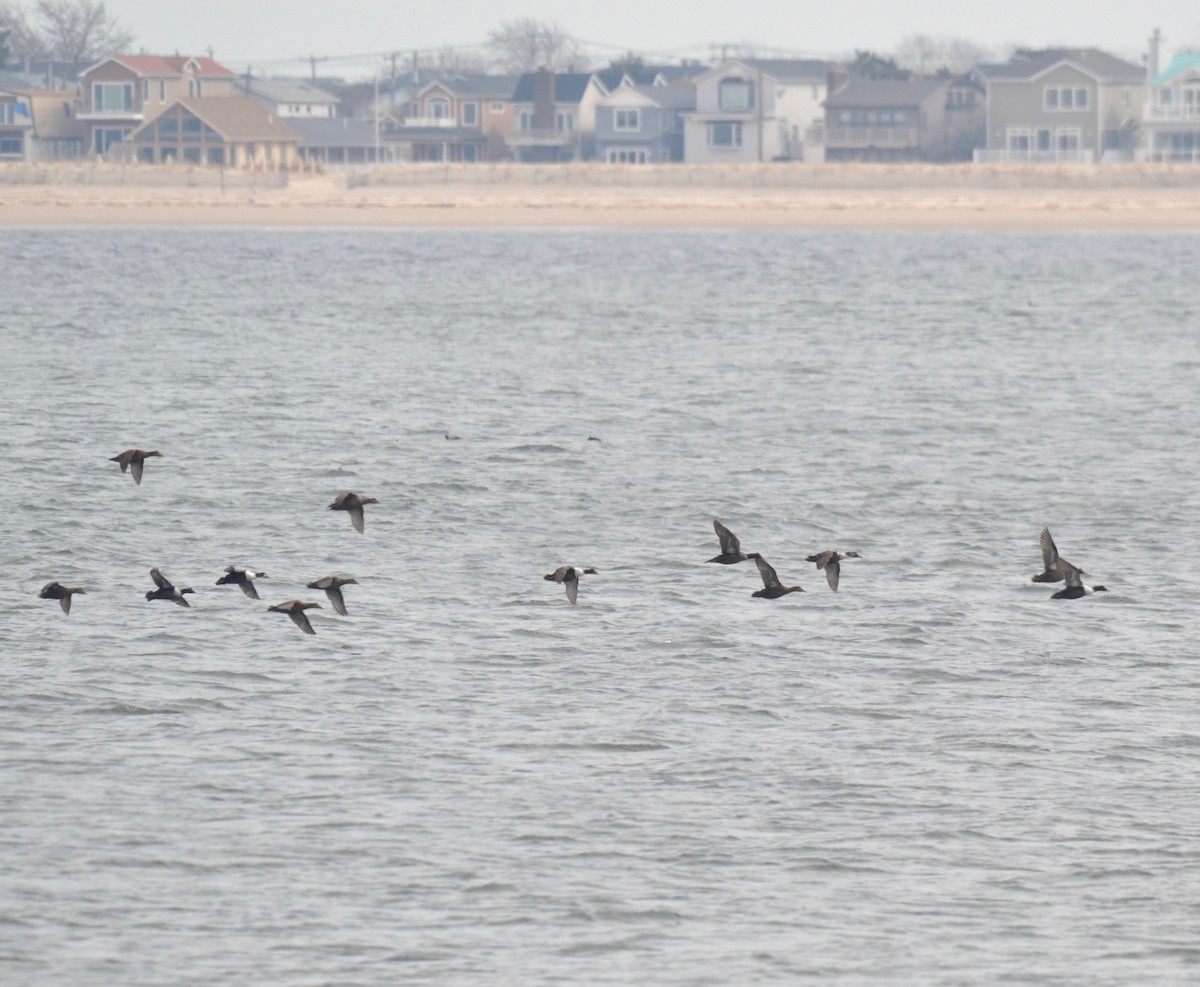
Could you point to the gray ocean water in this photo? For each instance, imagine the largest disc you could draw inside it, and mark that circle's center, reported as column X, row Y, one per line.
column 936, row 775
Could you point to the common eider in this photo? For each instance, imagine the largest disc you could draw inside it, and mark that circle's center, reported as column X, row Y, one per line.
column 57, row 591
column 295, row 609
column 1050, row 573
column 166, row 590
column 569, row 575
column 772, row 587
column 133, row 460
column 243, row 578
column 332, row 585
column 831, row 562
column 1075, row 588
column 347, row 500
column 731, row 548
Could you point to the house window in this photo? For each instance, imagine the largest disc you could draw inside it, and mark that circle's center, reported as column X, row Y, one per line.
column 1065, row 98
column 1018, row 139
column 627, row 120
column 106, row 137
column 145, row 90
column 162, row 90
column 525, row 121
column 724, row 133
column 497, row 106
column 1041, row 140
column 439, row 109
column 112, row 97
column 10, row 146
column 470, row 114
column 735, row 96
column 564, row 122
column 191, row 128
column 1066, row 140
column 632, row 155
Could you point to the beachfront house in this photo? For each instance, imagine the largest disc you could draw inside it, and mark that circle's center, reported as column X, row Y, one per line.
column 326, row 142
column 290, row 98
column 229, row 131
column 1171, row 119
column 754, row 109
column 456, row 118
column 643, row 124
column 119, row 94
column 1069, row 105
column 16, row 123
column 901, row 119
column 554, row 116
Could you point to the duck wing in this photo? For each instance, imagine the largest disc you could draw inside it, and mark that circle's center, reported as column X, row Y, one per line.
column 248, row 589
column 572, row 589
column 1070, row 573
column 833, row 570
column 161, row 581
column 335, row 597
column 300, row 619
column 356, row 518
column 729, row 541
column 1049, row 550
column 769, row 577
column 135, row 467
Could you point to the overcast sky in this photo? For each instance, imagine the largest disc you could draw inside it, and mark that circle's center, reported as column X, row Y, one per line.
column 274, row 33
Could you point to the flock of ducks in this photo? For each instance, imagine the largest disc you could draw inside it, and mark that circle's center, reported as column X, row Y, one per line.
column 1055, row 568
column 133, row 461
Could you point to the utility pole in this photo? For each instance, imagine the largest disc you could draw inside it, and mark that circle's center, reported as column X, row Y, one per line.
column 312, row 60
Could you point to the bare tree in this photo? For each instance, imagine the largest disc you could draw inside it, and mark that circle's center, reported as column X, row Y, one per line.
column 457, row 59
column 927, row 55
column 525, row 44
column 25, row 45
column 80, row 31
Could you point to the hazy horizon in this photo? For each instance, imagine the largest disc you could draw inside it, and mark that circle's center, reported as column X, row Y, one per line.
column 351, row 39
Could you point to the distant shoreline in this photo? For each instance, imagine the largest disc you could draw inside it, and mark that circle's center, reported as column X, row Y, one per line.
column 852, row 197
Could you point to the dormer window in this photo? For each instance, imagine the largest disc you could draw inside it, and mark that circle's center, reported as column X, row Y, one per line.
column 735, row 95
column 439, row 109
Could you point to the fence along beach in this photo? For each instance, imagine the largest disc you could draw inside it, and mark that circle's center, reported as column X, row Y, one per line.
column 774, row 196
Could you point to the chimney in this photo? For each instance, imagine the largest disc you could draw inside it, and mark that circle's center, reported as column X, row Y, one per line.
column 1153, row 56
column 543, row 99
column 836, row 78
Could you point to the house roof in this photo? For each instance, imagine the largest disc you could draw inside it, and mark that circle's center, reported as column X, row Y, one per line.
column 435, row 134
column 235, row 118
column 167, row 65
column 326, row 132
column 569, row 87
column 286, row 91
column 483, row 86
column 885, row 92
column 1098, row 63
column 1182, row 61
column 787, row 68
column 52, row 113
column 670, row 97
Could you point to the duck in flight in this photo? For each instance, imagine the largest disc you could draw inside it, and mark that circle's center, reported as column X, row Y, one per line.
column 243, row 578
column 332, row 585
column 569, row 575
column 166, row 590
column 295, row 609
column 133, row 460
column 57, row 591
column 731, row 548
column 1051, row 572
column 1075, row 588
column 831, row 562
column 349, row 501
column 772, row 587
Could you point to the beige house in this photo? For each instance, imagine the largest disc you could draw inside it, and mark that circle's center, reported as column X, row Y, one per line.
column 121, row 93
column 1062, row 105
column 39, row 125
column 755, row 109
column 226, row 131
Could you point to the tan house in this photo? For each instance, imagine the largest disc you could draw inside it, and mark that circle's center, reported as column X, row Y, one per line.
column 458, row 118
column 227, row 131
column 121, row 93
column 39, row 125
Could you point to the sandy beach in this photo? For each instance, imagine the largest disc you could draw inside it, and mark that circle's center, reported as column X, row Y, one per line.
column 677, row 197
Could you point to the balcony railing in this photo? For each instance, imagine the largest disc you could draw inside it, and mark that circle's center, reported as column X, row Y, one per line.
column 542, row 138
column 1006, row 156
column 430, row 122
column 1172, row 112
column 864, row 137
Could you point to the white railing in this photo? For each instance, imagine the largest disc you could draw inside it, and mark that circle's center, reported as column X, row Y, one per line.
column 871, row 137
column 1174, row 111
column 1005, row 156
column 430, row 122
